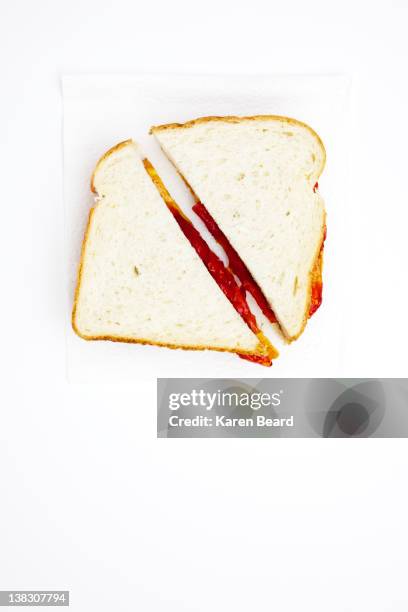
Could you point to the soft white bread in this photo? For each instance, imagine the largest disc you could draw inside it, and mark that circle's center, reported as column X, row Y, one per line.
column 256, row 177
column 139, row 278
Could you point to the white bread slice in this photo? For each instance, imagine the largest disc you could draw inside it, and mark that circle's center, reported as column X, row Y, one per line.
column 139, row 279
column 256, row 177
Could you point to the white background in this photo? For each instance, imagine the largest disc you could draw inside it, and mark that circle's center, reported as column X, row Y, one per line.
column 90, row 500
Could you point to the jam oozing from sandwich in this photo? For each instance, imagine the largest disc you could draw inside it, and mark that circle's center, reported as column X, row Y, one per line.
column 236, row 264
column 261, row 359
column 226, row 281
column 222, row 275
column 317, row 280
column 216, row 268
column 316, row 302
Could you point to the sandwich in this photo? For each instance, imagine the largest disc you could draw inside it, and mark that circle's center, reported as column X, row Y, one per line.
column 255, row 181
column 141, row 281
column 147, row 275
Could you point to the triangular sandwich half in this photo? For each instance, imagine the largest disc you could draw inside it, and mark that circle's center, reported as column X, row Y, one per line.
column 257, row 179
column 139, row 279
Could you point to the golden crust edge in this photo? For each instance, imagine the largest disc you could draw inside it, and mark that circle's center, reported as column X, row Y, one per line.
column 185, row 347
column 290, row 121
column 108, row 153
column 258, row 352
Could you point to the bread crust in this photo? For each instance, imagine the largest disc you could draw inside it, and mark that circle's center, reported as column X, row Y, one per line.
column 109, row 152
column 317, row 265
column 261, row 349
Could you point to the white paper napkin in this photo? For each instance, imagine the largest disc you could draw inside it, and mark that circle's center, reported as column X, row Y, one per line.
column 100, row 111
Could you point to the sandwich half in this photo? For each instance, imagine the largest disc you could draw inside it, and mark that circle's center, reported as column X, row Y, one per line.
column 255, row 183
column 140, row 281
